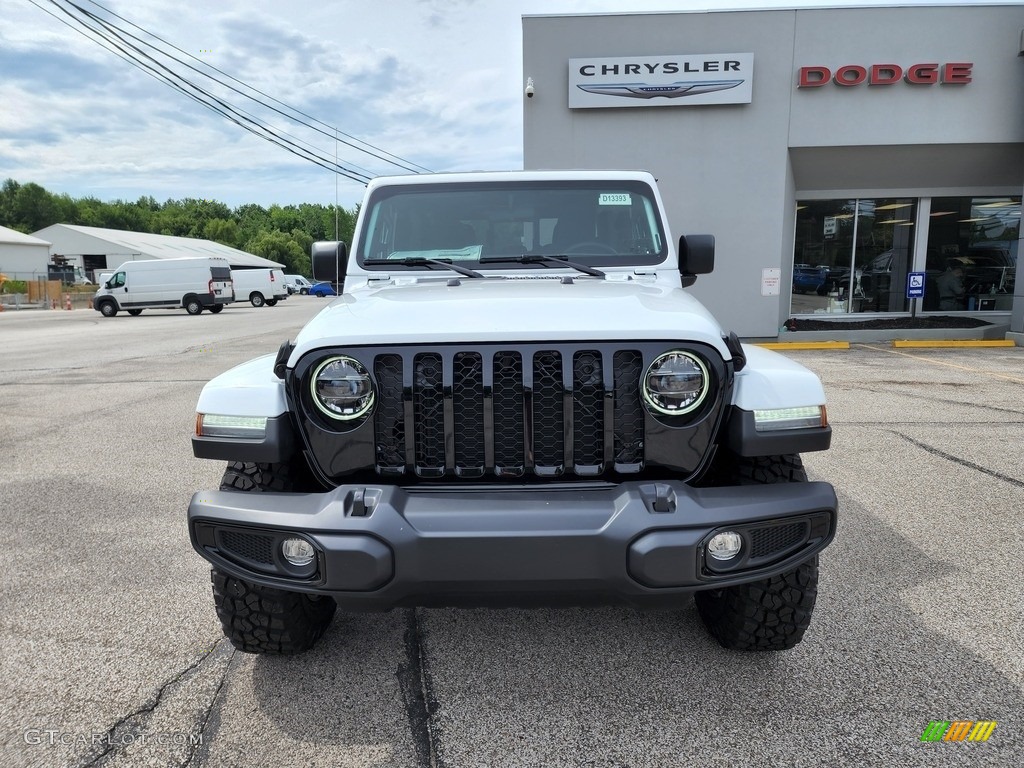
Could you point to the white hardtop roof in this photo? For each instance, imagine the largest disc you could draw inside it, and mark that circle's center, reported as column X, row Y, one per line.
column 510, row 176
column 147, row 244
column 14, row 237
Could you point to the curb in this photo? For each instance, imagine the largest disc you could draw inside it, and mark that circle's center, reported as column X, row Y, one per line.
column 794, row 345
column 938, row 343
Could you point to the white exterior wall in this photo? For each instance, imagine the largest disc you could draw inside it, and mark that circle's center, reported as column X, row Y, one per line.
column 24, row 262
column 736, row 171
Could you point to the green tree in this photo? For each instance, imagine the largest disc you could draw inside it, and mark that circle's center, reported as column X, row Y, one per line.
column 34, row 208
column 278, row 246
column 222, row 231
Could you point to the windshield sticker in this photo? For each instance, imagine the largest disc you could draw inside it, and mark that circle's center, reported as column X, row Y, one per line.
column 469, row 253
column 614, row 198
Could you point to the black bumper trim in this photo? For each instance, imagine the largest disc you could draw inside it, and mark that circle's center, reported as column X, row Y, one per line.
column 743, row 439
column 277, row 446
column 521, row 542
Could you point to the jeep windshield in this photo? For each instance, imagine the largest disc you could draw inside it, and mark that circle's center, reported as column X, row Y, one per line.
column 512, row 225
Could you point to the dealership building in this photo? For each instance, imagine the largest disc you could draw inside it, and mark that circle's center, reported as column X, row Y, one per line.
column 852, row 163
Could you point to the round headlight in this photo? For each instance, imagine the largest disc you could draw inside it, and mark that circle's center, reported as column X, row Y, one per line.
column 676, row 383
column 342, row 388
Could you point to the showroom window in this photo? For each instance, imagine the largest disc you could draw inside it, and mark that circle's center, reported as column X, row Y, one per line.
column 853, row 255
column 972, row 253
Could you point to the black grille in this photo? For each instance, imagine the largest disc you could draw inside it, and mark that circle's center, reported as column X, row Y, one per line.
column 768, row 542
column 254, row 547
column 508, row 413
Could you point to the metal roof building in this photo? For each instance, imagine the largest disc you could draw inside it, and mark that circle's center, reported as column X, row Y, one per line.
column 97, row 249
column 22, row 257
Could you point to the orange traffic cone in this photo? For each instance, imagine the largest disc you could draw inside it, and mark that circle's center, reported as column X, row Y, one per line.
column 67, row 301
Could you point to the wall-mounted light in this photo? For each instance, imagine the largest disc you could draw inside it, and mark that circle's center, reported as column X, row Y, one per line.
column 529, row 87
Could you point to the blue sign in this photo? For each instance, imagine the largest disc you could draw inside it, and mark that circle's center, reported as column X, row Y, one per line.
column 915, row 285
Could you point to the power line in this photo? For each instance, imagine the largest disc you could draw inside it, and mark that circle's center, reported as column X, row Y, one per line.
column 244, row 119
column 113, row 38
column 254, row 128
column 333, row 129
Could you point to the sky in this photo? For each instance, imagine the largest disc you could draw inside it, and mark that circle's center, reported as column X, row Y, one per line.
column 436, row 82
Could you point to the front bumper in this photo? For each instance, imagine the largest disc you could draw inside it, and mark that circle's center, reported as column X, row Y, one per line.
column 641, row 542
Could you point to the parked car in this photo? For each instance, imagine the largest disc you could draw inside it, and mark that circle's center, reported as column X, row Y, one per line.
column 193, row 283
column 264, row 286
column 558, row 433
column 322, row 289
column 808, row 279
column 297, row 284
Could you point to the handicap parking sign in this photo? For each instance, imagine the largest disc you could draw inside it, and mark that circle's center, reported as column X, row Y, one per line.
column 915, row 285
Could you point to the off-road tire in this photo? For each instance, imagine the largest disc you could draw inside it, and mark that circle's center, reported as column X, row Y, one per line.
column 770, row 614
column 259, row 619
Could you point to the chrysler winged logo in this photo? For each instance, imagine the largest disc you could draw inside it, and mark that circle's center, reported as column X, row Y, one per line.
column 669, row 91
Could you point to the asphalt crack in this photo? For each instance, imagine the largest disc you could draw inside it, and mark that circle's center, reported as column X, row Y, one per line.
column 125, row 731
column 417, row 688
column 961, row 461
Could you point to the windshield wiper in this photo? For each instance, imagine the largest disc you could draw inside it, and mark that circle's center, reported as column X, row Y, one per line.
column 420, row 261
column 544, row 258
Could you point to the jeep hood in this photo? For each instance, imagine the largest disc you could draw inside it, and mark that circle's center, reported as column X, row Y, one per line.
column 495, row 310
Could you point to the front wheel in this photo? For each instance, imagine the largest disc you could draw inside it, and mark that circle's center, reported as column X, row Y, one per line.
column 769, row 614
column 766, row 615
column 259, row 619
column 108, row 309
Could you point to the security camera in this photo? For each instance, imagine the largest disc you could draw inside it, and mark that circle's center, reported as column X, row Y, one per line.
column 529, row 87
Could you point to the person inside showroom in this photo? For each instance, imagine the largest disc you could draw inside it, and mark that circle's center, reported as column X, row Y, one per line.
column 951, row 287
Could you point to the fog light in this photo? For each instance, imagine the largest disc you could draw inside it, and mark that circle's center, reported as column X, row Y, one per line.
column 725, row 545
column 298, row 552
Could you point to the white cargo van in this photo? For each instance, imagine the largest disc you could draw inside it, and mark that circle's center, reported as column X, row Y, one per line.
column 297, row 284
column 195, row 283
column 259, row 286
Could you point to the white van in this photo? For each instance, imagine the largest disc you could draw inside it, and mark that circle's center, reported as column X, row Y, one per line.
column 259, row 286
column 297, row 284
column 195, row 283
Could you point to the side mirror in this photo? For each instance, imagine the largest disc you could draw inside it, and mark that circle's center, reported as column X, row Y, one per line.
column 696, row 257
column 328, row 259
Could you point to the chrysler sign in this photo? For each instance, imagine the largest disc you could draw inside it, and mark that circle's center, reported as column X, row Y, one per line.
column 661, row 81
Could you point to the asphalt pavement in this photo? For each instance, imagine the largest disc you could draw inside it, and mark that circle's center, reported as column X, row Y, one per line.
column 113, row 655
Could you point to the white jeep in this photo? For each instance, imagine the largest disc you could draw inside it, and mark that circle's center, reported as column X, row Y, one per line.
column 513, row 400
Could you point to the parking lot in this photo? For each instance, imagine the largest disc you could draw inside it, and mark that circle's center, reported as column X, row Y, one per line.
column 113, row 654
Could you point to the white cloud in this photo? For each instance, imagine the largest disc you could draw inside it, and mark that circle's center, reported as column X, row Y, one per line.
column 434, row 81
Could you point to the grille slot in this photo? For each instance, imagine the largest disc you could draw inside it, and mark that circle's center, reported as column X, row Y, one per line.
column 254, row 547
column 468, row 407
column 508, row 413
column 629, row 415
column 548, row 419
column 769, row 542
column 428, row 412
column 389, row 418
